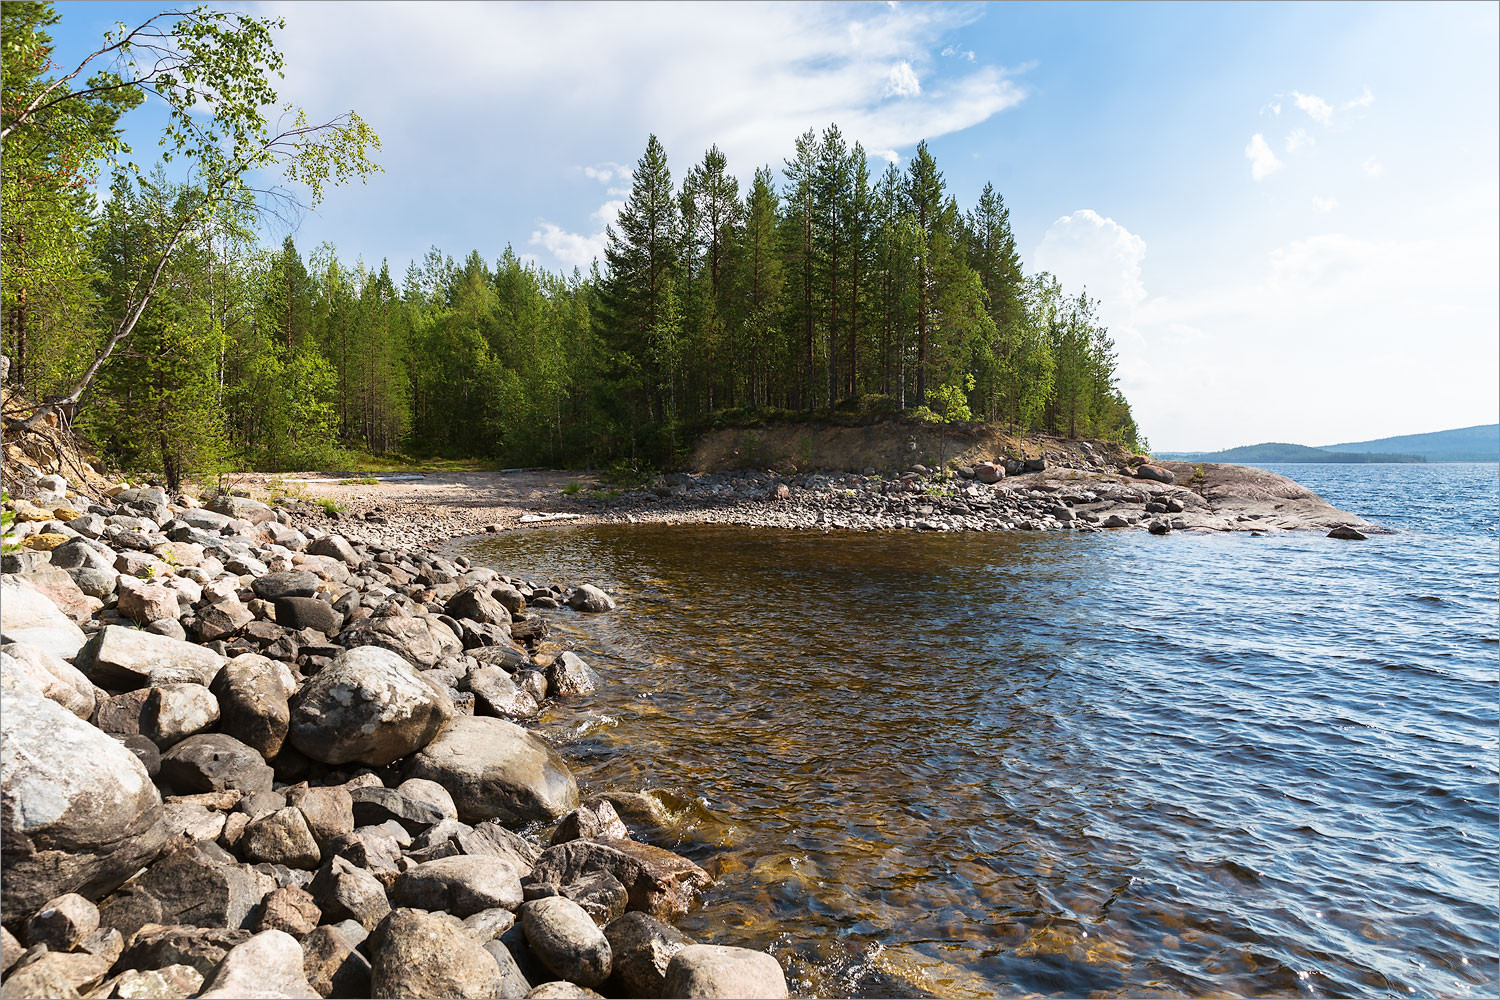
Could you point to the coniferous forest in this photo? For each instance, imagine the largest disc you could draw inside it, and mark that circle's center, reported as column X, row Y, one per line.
column 161, row 326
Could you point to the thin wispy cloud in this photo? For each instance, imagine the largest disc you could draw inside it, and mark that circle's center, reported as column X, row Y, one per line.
column 1263, row 160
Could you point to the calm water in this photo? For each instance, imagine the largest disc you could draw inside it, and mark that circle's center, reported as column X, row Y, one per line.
column 1100, row 765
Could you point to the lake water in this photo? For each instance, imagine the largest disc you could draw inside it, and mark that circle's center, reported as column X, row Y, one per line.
column 1080, row 765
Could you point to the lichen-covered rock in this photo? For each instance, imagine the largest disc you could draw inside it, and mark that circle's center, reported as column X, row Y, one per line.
column 281, row 838
column 174, row 712
column 62, row 923
column 367, row 706
column 56, row 974
column 496, row 769
column 80, row 813
column 419, row 954
column 344, row 890
column 175, row 982
column 420, row 639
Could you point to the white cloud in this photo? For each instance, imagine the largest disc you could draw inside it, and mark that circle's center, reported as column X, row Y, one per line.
column 957, row 53
column 578, row 249
column 1298, row 138
column 1324, row 205
column 1317, row 109
column 606, row 172
column 1364, row 100
column 901, row 81
column 467, row 95
column 1372, row 167
column 1263, row 161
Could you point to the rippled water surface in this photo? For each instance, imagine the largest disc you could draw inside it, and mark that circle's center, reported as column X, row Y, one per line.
column 1113, row 764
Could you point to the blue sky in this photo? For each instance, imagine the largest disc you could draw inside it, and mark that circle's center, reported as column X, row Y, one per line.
column 1291, row 212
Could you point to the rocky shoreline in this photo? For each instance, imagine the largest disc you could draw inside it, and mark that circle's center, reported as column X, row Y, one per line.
column 246, row 755
column 1063, row 492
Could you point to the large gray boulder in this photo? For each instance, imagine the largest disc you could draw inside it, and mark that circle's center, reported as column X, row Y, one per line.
column 367, row 706
column 80, row 814
column 215, row 762
column 643, row 947
column 29, row 616
column 658, row 882
column 124, row 658
column 710, row 970
column 240, row 509
column 417, row 954
column 496, row 769
column 253, row 704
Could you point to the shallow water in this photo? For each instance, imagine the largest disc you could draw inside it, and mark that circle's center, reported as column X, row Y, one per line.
column 1111, row 764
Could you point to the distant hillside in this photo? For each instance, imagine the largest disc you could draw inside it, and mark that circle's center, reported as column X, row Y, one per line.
column 1277, row 451
column 1464, row 444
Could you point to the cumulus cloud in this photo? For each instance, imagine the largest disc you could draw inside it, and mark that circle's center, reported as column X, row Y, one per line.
column 1298, row 138
column 901, row 81
column 472, row 95
column 1262, row 157
column 578, row 249
column 1364, row 100
column 1317, row 109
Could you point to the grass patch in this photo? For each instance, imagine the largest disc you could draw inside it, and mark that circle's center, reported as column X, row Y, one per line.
column 572, row 488
column 331, row 506
column 360, row 481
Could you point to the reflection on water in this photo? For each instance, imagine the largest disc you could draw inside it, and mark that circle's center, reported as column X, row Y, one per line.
column 998, row 765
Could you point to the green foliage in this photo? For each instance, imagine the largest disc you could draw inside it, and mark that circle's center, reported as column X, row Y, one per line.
column 571, row 489
column 7, row 521
column 832, row 289
column 330, row 506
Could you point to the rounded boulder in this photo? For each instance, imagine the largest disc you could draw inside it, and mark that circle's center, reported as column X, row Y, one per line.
column 368, row 706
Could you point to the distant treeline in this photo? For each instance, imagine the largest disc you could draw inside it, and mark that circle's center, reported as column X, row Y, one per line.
column 833, row 285
column 1279, row 452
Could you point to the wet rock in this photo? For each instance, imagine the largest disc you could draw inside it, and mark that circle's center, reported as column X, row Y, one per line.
column 566, row 940
column 494, row 768
column 253, row 704
column 125, row 658
column 287, row 583
column 569, row 676
column 1348, row 533
column 706, row 970
column 1159, row 526
column 659, row 882
column 267, row 965
column 80, row 814
column 210, row 762
column 497, row 694
column 643, row 947
column 201, row 948
column 289, row 909
column 368, row 706
column 173, row 712
column 62, row 923
column 54, row 678
column 30, row 617
column 344, row 890
column 461, row 885
column 193, row 888
column 595, row 819
column 175, row 982
column 421, row 955
column 587, row 597
column 281, row 838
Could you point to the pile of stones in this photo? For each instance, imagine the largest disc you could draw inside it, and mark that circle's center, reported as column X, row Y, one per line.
column 248, row 758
